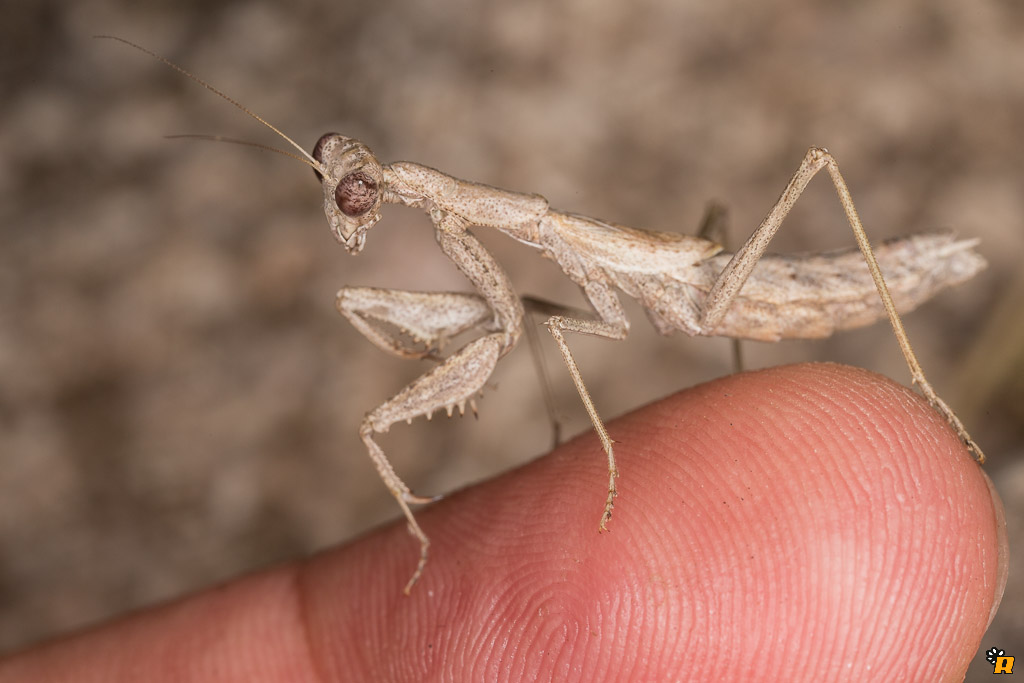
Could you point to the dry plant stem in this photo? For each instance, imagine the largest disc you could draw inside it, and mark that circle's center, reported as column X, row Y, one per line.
column 684, row 283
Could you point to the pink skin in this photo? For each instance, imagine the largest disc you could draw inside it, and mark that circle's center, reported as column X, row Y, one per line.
column 812, row 522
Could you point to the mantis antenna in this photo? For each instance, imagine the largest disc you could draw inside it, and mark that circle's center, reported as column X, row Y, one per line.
column 305, row 158
column 234, row 141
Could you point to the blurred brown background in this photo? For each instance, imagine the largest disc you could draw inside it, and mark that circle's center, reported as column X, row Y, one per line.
column 179, row 400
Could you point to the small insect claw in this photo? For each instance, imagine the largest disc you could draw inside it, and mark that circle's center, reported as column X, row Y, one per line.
column 410, row 497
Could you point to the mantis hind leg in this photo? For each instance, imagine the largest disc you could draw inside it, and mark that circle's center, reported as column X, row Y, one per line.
column 732, row 278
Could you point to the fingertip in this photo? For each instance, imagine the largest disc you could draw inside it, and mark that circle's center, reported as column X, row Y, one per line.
column 811, row 518
column 899, row 527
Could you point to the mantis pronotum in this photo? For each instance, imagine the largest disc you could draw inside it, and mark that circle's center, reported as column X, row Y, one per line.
column 683, row 282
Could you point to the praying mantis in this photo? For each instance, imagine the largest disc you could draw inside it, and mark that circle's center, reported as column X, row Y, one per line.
column 684, row 283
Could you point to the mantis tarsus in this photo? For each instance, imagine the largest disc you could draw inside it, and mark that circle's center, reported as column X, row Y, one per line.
column 683, row 283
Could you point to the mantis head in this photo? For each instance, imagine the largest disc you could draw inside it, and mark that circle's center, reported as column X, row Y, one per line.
column 353, row 184
column 352, row 177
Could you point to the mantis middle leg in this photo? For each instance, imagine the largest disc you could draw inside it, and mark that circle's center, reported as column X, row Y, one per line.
column 611, row 325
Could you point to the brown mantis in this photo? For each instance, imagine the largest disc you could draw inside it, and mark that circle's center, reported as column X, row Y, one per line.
column 683, row 283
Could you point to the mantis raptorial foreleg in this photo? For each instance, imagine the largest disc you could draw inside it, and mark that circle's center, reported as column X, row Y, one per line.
column 428, row 319
column 417, row 325
column 460, row 377
column 453, row 383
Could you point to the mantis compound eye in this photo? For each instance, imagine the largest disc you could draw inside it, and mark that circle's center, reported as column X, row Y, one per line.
column 356, row 194
column 318, row 151
column 358, row 189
